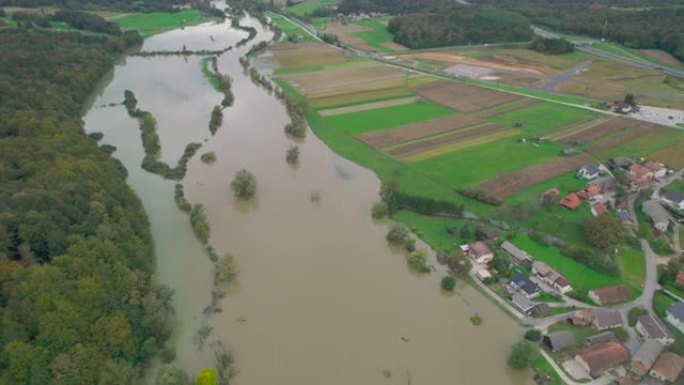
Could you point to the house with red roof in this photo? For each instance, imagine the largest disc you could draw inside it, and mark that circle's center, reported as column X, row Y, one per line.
column 598, row 209
column 591, row 191
column 571, row 201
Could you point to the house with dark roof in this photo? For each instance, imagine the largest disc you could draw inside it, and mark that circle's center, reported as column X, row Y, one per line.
column 600, row 338
column 623, row 162
column 659, row 216
column 646, row 356
column 625, row 217
column 675, row 315
column 599, row 358
column 606, row 319
column 650, row 327
column 524, row 286
column 673, row 199
column 571, row 201
column 668, row 367
column 549, row 276
column 515, row 252
column 558, row 341
column 590, row 171
column 609, row 294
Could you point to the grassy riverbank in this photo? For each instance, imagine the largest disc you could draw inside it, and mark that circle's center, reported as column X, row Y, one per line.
column 148, row 24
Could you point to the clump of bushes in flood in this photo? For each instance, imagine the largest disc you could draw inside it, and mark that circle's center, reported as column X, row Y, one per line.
column 244, row 184
column 208, row 158
column 216, row 119
column 292, row 155
column 200, row 226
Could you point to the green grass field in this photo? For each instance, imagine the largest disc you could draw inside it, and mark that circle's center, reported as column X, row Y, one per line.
column 148, row 24
column 677, row 185
column 307, row 6
column 581, row 277
column 643, row 146
column 289, row 29
column 432, row 230
column 355, row 123
column 544, row 119
column 378, row 33
column 632, row 265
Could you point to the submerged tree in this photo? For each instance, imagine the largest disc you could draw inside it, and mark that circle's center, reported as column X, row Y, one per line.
column 226, row 269
column 292, row 156
column 172, row 374
column 522, row 355
column 244, row 185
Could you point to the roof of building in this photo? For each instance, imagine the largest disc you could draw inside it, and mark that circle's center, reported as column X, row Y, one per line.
column 492, row 234
column 541, row 268
column 653, row 166
column 525, row 284
column 479, row 248
column 561, row 281
column 673, row 196
column 604, row 356
column 624, row 216
column 599, row 208
column 553, row 191
column 656, row 211
column 571, row 201
column 623, row 161
column 559, row 340
column 591, row 168
column 515, row 252
column 648, row 353
column 592, row 189
column 607, row 318
column 601, row 338
column 677, row 311
column 654, row 327
column 680, row 277
column 521, row 302
column 613, row 293
column 669, row 365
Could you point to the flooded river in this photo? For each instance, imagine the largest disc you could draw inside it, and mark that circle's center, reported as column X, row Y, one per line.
column 320, row 298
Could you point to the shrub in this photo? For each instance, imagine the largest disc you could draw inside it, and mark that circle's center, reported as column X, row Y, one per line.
column 634, row 314
column 417, row 260
column 448, row 282
column 621, row 334
column 379, row 210
column 533, row 335
column 208, row 158
column 397, row 234
column 244, row 185
column 522, row 355
column 292, row 155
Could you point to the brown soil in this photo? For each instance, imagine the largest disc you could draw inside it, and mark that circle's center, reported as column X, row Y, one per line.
column 515, row 105
column 506, row 185
column 368, row 106
column 463, row 97
column 306, row 55
column 672, row 155
column 345, row 33
column 413, row 131
column 632, row 133
column 337, row 79
column 594, row 131
column 458, row 136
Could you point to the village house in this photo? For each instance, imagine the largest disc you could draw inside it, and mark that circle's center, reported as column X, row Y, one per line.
column 658, row 170
column 590, row 171
column 606, row 319
column 599, row 358
column 515, row 252
column 582, row 317
column 555, row 342
column 646, row 356
column 675, row 315
column 483, row 274
column 623, row 162
column 600, row 338
column 680, row 280
column 609, row 294
column 590, row 192
column 524, row 286
column 625, row 217
column 659, row 216
column 673, row 199
column 639, row 177
column 549, row 276
column 598, row 209
column 480, row 253
column 668, row 367
column 650, row 327
column 571, row 201
column 492, row 234
column 522, row 303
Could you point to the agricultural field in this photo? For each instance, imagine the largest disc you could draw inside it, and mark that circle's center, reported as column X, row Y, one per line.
column 149, row 24
column 367, row 35
column 290, row 30
column 306, row 57
column 304, row 7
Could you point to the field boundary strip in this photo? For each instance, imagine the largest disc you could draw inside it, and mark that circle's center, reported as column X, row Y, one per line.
column 438, row 141
column 367, row 106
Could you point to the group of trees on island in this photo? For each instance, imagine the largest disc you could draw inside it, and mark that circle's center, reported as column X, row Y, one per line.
column 77, row 302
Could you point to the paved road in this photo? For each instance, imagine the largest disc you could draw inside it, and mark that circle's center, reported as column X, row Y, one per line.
column 554, row 81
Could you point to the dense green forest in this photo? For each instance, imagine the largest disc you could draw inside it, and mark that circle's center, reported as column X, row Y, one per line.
column 124, row 5
column 77, row 303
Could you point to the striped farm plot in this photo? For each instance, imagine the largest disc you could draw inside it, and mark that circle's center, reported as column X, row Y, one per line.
column 463, row 97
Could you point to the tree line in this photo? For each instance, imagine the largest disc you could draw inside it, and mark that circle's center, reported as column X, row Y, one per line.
column 77, row 302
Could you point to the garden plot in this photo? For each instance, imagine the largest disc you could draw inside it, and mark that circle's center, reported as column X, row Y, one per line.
column 409, row 132
column 463, row 97
column 613, row 141
column 672, row 155
column 338, row 80
column 444, row 140
column 306, row 55
column 506, row 185
column 591, row 131
column 507, row 107
column 368, row 106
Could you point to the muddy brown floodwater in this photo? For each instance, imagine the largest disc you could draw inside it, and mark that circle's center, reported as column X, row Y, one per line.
column 320, row 298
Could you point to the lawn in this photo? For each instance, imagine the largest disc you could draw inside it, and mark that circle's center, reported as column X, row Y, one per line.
column 469, row 166
column 661, row 302
column 542, row 366
column 378, row 33
column 148, row 24
column 289, row 28
column 544, row 119
column 677, row 185
column 632, row 266
column 581, row 277
column 355, row 123
column 432, row 230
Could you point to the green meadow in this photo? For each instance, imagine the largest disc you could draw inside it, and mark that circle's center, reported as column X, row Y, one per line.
column 378, row 33
column 289, row 29
column 543, row 119
column 148, row 24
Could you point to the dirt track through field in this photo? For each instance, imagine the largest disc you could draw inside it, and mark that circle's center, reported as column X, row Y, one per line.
column 368, row 106
column 590, row 131
column 463, row 97
column 413, row 131
column 506, row 185
column 444, row 140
